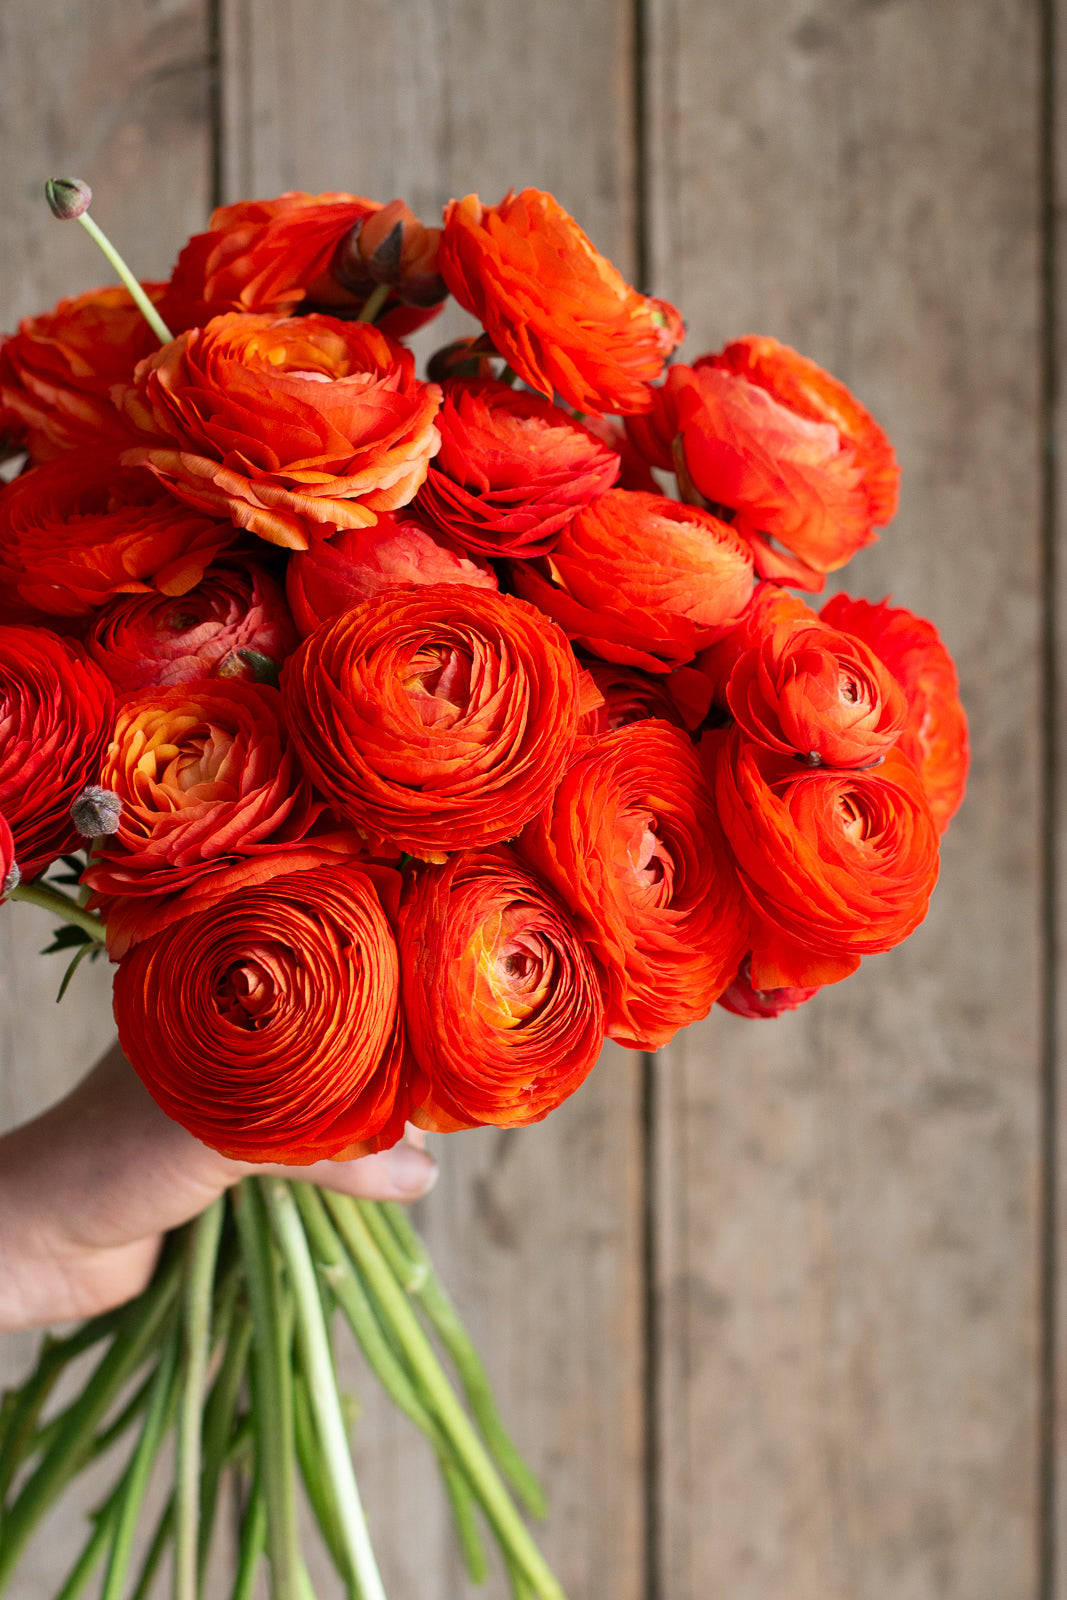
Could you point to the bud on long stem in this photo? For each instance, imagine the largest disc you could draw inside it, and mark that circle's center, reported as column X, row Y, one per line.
column 69, row 199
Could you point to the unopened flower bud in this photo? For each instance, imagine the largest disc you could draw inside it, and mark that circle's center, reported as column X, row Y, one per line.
column 463, row 358
column 68, row 197
column 11, row 881
column 96, row 811
column 392, row 247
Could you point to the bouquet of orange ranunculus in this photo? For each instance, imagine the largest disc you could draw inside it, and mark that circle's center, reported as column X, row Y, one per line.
column 401, row 740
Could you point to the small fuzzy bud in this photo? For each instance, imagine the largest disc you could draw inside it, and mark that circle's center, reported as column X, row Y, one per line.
column 11, row 881
column 96, row 811
column 463, row 358
column 69, row 198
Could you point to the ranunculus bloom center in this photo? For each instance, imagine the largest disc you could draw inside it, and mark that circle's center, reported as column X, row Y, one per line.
column 439, row 682
column 245, row 994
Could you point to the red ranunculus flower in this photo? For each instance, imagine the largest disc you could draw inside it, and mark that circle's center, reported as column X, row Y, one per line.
column 935, row 735
column 56, row 711
column 513, row 468
column 629, row 695
column 764, row 434
column 836, row 864
column 817, row 693
column 357, row 563
column 438, row 718
column 57, row 372
column 267, row 1025
column 770, row 607
column 501, row 1000
column 234, row 624
column 630, row 843
column 285, row 423
column 299, row 250
column 558, row 312
column 77, row 531
column 640, row 579
column 207, row 779
column 745, row 1001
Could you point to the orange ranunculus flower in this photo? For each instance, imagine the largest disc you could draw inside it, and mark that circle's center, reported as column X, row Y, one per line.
column 558, row 312
column 762, row 433
column 284, row 423
column 357, row 563
column 935, row 734
column 770, row 607
column 629, row 695
column 630, row 843
column 640, row 579
column 302, row 251
column 267, row 1025
column 56, row 711
column 811, row 691
column 207, row 780
column 234, row 624
column 837, row 864
column 512, row 469
column 501, row 1000
column 79, row 530
column 436, row 718
column 57, row 372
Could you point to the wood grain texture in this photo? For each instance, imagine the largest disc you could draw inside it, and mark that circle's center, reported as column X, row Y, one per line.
column 849, row 1218
column 537, row 1232
column 1055, row 1531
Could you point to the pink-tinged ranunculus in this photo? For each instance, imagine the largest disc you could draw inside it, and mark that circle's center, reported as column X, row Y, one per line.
column 814, row 692
column 557, row 310
column 58, row 370
column 284, row 424
column 769, row 438
column 512, row 469
column 836, row 864
column 745, row 1001
column 303, row 251
column 436, row 718
column 234, row 624
column 640, row 579
column 935, row 734
column 208, row 781
column 631, row 845
column 501, row 1000
column 56, row 712
column 358, row 563
column 77, row 531
column 267, row 1024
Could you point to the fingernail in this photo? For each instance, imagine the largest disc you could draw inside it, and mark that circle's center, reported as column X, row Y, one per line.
column 411, row 1172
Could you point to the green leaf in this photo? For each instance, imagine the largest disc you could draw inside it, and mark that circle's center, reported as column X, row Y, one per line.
column 88, row 949
column 66, row 937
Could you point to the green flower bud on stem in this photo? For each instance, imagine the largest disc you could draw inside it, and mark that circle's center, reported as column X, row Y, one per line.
column 69, row 198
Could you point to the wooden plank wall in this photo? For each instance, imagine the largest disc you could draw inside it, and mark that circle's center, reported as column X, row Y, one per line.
column 846, row 1212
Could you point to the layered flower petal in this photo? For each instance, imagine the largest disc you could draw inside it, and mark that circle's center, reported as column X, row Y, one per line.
column 438, row 718
column 284, row 423
column 558, row 312
column 268, row 1025
column 631, row 845
column 501, row 1000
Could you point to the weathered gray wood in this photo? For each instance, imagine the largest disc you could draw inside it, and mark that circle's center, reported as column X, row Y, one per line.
column 117, row 93
column 1055, row 1531
column 848, row 1227
column 537, row 1231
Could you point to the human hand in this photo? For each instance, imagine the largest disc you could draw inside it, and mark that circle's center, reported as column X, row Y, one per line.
column 88, row 1189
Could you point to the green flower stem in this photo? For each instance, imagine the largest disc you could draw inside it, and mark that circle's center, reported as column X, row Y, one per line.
column 509, row 1527
column 95, row 1546
column 218, row 1424
column 144, row 305
column 322, row 1384
column 253, row 1542
column 154, row 1554
column 201, row 1253
column 272, row 1383
column 387, row 1218
column 106, row 1438
column 320, row 1494
column 347, row 1289
column 70, row 1447
column 62, row 905
column 160, row 1412
column 374, row 302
